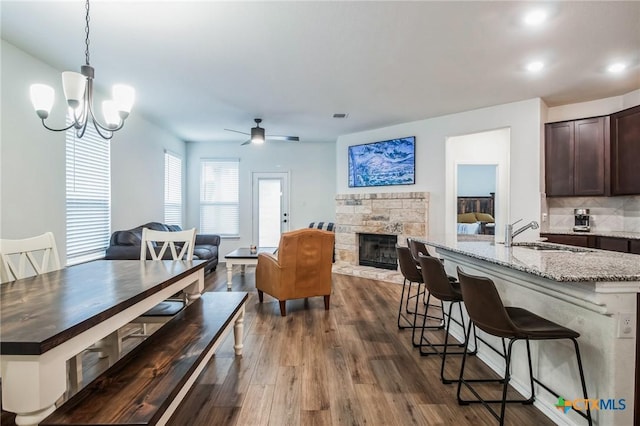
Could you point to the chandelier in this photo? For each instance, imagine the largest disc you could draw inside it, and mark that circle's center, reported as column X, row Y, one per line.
column 78, row 90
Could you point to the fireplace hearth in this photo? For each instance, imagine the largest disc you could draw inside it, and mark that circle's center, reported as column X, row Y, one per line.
column 378, row 250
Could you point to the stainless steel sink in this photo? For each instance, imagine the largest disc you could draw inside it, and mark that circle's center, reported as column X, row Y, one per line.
column 550, row 247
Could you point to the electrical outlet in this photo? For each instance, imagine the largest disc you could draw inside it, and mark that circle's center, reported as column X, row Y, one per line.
column 626, row 326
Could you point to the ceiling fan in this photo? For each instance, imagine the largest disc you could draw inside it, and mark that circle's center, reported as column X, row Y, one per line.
column 258, row 134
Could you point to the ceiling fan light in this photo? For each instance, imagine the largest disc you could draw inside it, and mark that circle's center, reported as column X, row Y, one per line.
column 257, row 135
column 73, row 84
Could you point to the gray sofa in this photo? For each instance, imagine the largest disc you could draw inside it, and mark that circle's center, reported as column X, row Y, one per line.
column 125, row 245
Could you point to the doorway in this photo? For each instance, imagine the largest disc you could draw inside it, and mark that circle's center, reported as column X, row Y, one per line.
column 270, row 194
column 484, row 148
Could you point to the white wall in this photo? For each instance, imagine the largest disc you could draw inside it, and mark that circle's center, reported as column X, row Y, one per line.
column 32, row 159
column 312, row 181
column 522, row 118
column 137, row 173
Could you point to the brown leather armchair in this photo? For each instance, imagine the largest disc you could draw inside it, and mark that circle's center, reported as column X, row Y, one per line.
column 301, row 269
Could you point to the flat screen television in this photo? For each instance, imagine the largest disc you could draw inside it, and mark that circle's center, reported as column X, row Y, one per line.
column 383, row 163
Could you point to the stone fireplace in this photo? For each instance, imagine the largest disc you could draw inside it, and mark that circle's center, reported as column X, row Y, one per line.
column 399, row 215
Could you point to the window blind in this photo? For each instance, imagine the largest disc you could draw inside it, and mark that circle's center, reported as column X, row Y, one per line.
column 219, row 197
column 172, row 189
column 88, row 195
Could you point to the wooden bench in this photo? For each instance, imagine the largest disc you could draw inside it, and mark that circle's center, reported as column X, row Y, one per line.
column 146, row 386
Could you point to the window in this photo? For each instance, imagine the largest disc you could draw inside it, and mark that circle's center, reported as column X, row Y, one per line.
column 172, row 189
column 88, row 198
column 219, row 195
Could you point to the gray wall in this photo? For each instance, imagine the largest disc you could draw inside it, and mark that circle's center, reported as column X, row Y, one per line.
column 312, row 181
column 32, row 159
column 476, row 180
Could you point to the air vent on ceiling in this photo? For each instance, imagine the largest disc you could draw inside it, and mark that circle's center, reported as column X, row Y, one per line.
column 340, row 115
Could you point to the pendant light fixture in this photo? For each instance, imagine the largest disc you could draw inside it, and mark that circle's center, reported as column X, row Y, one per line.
column 78, row 90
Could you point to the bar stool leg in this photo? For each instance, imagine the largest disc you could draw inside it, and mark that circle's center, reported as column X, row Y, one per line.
column 582, row 381
column 402, row 302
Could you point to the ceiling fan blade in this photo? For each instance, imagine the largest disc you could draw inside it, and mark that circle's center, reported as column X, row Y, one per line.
column 236, row 131
column 246, row 142
column 284, row 138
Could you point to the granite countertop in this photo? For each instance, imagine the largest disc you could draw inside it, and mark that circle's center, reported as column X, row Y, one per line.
column 594, row 232
column 559, row 262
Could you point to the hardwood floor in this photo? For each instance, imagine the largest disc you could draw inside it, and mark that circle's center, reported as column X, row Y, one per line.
column 346, row 366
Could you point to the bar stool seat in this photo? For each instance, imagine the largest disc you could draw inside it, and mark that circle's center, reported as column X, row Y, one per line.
column 487, row 312
column 533, row 327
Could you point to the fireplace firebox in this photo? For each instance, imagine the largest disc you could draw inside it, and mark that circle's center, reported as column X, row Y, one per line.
column 378, row 250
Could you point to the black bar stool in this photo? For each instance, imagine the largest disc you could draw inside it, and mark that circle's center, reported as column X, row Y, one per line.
column 488, row 313
column 439, row 286
column 411, row 275
column 418, row 247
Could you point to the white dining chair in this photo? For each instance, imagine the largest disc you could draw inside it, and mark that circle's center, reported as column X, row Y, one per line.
column 27, row 257
column 155, row 244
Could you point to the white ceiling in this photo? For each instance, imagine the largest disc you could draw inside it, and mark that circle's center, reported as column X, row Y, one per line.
column 199, row 67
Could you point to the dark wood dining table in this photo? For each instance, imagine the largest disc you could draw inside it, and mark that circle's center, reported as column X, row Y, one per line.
column 47, row 319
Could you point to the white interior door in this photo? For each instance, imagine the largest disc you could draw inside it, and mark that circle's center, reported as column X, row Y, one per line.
column 270, row 207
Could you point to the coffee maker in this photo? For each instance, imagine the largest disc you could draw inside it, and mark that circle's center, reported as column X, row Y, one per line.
column 581, row 223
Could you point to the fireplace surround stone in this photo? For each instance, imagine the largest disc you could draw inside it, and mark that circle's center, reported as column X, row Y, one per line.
column 404, row 214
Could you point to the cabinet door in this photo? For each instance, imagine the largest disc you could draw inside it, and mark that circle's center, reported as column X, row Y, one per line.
column 558, row 156
column 570, row 240
column 625, row 152
column 613, row 244
column 590, row 156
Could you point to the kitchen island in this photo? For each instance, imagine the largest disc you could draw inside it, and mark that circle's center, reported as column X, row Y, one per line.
column 586, row 290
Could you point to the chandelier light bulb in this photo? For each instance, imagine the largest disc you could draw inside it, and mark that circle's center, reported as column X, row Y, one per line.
column 74, row 85
column 42, row 99
column 123, row 96
column 110, row 111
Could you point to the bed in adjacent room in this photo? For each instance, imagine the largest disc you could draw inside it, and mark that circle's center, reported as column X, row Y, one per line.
column 476, row 215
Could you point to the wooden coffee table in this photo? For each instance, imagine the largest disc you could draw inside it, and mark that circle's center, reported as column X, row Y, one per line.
column 243, row 257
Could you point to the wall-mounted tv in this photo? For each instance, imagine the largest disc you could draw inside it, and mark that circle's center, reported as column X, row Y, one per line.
column 383, row 163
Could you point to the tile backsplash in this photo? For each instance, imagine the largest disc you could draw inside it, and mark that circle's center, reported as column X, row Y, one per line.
column 607, row 213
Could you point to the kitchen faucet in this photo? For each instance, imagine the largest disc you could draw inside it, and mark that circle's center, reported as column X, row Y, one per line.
column 510, row 234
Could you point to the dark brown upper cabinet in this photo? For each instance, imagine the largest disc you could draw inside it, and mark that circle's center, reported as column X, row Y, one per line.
column 577, row 157
column 625, row 152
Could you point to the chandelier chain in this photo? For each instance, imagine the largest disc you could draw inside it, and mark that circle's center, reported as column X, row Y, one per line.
column 86, row 30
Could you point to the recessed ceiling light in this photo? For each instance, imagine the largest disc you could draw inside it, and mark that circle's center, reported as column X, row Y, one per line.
column 535, row 66
column 617, row 67
column 535, row 17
